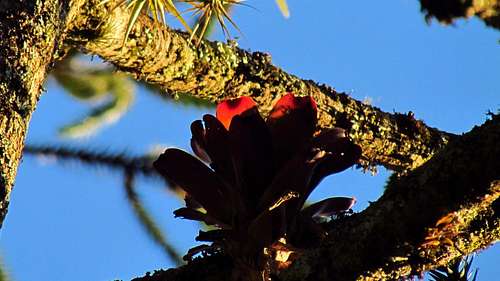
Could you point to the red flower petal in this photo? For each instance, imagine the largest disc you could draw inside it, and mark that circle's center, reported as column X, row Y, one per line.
column 230, row 108
column 289, row 102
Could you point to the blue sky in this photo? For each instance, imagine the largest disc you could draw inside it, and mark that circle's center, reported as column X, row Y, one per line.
column 72, row 222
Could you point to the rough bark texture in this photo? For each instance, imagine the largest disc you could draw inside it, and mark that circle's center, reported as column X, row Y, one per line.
column 217, row 71
column 444, row 209
column 29, row 33
column 446, row 11
column 438, row 210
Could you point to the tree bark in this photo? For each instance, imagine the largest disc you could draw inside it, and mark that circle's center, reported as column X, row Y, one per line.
column 448, row 11
column 29, row 32
column 435, row 211
column 217, row 71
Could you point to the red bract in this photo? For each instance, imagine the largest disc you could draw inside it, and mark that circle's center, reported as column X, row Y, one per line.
column 260, row 173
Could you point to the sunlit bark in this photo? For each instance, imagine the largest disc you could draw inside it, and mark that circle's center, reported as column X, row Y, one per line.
column 216, row 71
column 448, row 11
column 29, row 34
column 401, row 233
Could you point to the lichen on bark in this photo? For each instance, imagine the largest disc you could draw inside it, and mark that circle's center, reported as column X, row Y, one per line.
column 449, row 10
column 29, row 33
column 216, row 71
column 406, row 237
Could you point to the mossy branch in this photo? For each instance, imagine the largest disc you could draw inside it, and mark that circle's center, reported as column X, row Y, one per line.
column 447, row 12
column 215, row 71
column 30, row 32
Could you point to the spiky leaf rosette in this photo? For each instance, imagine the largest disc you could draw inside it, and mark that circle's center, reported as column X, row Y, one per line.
column 206, row 11
column 259, row 175
column 156, row 8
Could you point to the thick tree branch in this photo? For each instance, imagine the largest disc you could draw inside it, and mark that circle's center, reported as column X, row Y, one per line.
column 29, row 34
column 446, row 208
column 217, row 71
column 450, row 10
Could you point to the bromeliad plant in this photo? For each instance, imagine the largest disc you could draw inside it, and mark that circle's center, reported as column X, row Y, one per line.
column 208, row 9
column 259, row 176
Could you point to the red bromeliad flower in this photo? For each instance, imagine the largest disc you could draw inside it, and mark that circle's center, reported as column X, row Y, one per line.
column 259, row 176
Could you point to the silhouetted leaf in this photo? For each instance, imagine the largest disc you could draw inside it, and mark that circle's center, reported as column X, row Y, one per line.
column 292, row 122
column 196, row 179
column 329, row 207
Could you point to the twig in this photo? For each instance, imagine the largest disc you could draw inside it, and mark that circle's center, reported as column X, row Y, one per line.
column 142, row 164
column 146, row 219
column 130, row 166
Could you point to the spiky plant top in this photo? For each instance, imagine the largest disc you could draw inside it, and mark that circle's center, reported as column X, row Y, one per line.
column 205, row 9
column 259, row 176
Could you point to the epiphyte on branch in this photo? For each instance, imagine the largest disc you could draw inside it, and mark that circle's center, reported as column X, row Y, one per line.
column 259, row 176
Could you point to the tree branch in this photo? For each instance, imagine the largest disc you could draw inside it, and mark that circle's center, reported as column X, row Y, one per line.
column 29, row 36
column 147, row 221
column 217, row 71
column 446, row 208
column 119, row 161
column 448, row 11
column 130, row 166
